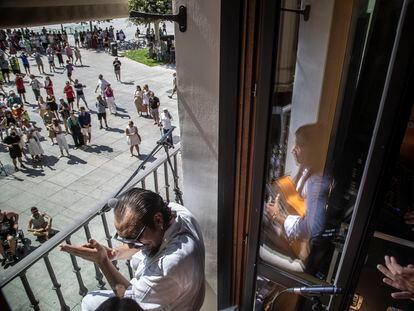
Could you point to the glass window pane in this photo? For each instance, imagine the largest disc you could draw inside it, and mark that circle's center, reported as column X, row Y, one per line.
column 318, row 143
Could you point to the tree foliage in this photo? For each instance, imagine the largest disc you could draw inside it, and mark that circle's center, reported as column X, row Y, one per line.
column 149, row 6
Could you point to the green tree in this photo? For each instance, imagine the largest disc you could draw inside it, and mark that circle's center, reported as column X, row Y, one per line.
column 150, row 6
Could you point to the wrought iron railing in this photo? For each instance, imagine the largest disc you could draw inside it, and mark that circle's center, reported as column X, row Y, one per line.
column 41, row 253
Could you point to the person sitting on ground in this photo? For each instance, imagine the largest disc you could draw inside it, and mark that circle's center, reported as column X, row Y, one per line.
column 166, row 248
column 8, row 230
column 40, row 224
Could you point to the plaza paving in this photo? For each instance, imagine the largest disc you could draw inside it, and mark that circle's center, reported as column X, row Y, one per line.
column 66, row 187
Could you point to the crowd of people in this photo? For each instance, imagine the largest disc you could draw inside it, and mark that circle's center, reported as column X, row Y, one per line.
column 60, row 117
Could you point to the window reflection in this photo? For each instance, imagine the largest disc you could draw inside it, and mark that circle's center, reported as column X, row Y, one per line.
column 295, row 213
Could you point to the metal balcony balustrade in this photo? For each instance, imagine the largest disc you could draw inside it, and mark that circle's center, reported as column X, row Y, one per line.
column 41, row 253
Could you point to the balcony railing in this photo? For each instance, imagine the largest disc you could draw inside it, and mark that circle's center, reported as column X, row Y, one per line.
column 19, row 270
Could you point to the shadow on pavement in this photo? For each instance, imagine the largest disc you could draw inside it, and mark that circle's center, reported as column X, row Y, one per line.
column 75, row 160
column 123, row 116
column 127, row 82
column 115, row 130
column 30, row 172
column 99, row 149
column 120, row 109
column 143, row 156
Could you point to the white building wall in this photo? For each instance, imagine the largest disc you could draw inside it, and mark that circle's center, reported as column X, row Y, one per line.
column 197, row 58
column 312, row 51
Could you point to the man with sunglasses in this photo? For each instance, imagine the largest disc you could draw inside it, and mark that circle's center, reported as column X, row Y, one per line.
column 166, row 249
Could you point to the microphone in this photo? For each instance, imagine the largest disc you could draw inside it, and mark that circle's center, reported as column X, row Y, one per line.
column 316, row 290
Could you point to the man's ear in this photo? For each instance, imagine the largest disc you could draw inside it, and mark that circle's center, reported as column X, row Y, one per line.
column 158, row 219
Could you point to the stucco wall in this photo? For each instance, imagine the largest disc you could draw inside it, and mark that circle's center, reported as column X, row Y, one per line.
column 312, row 52
column 197, row 56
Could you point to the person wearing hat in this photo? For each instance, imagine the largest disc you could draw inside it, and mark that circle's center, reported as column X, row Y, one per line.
column 17, row 112
column 75, row 130
column 13, row 99
column 165, row 124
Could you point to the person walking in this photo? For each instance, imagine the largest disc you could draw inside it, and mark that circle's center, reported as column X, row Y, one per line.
column 138, row 101
column 110, row 99
column 174, row 90
column 102, row 84
column 36, row 86
column 154, row 103
column 133, row 138
column 85, row 123
column 75, row 130
column 117, row 68
column 79, row 93
column 60, row 138
column 165, row 123
column 69, row 70
column 101, row 107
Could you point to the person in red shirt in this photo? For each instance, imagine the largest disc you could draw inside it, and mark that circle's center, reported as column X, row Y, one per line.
column 70, row 94
column 48, row 86
column 21, row 90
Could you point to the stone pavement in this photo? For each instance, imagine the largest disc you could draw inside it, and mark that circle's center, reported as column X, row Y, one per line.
column 66, row 187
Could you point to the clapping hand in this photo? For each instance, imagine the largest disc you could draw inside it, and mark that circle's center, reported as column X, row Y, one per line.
column 399, row 277
column 92, row 251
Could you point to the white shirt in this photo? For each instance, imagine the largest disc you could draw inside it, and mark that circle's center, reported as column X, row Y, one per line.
column 102, row 84
column 165, row 120
column 173, row 279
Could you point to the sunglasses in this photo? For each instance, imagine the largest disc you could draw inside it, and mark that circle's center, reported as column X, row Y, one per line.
column 135, row 243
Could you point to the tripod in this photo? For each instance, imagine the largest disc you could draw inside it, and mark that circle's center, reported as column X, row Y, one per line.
column 163, row 143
